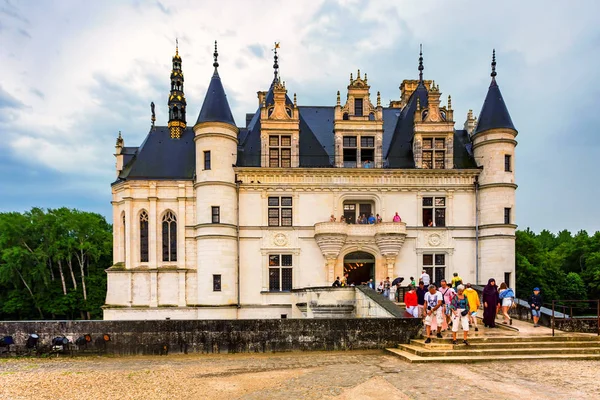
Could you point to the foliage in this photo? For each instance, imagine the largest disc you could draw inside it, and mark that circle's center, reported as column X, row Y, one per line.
column 52, row 264
column 564, row 266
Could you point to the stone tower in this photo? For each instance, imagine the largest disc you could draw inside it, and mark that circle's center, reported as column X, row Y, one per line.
column 216, row 228
column 494, row 151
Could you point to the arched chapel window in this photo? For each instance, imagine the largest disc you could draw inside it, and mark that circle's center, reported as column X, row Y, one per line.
column 169, row 237
column 144, row 236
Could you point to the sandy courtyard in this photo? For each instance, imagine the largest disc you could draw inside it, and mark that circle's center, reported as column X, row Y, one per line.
column 315, row 375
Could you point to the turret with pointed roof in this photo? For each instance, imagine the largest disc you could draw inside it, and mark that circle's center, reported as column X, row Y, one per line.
column 494, row 113
column 215, row 107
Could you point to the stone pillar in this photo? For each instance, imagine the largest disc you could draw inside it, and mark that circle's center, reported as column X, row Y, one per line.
column 152, row 229
column 330, row 266
column 129, row 233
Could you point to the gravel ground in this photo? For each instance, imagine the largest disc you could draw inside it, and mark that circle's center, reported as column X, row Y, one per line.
column 314, row 375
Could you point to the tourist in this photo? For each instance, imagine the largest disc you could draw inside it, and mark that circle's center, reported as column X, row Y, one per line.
column 345, row 280
column 412, row 282
column 386, row 287
column 421, row 298
column 447, row 295
column 371, row 284
column 433, row 314
column 535, row 301
column 397, row 218
column 359, row 220
column 474, row 304
column 459, row 307
column 332, row 218
column 506, row 296
column 337, row 282
column 371, row 220
column 456, row 280
column 379, row 220
column 430, row 223
column 367, row 164
column 490, row 303
column 380, row 287
column 425, row 278
column 343, row 218
column 411, row 302
column 364, row 219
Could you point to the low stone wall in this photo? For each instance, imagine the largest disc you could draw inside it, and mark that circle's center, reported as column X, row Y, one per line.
column 224, row 336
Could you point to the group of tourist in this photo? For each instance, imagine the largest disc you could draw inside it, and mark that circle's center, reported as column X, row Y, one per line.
column 456, row 305
column 363, row 219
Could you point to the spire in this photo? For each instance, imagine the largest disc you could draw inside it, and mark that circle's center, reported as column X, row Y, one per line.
column 275, row 63
column 153, row 118
column 177, row 103
column 215, row 107
column 215, row 56
column 421, row 68
column 494, row 113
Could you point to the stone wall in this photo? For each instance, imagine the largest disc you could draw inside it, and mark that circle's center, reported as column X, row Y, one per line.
column 225, row 336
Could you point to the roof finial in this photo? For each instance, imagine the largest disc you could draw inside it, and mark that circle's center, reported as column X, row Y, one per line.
column 421, row 68
column 378, row 99
column 120, row 141
column 153, row 118
column 358, row 74
column 449, row 102
column 275, row 63
column 216, row 55
column 351, row 78
column 295, row 101
column 365, row 77
column 493, row 74
column 338, row 98
column 176, row 46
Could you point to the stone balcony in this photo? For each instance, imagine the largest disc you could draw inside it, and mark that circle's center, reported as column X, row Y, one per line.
column 333, row 236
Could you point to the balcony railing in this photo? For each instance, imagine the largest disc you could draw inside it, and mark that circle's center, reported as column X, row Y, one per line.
column 342, row 228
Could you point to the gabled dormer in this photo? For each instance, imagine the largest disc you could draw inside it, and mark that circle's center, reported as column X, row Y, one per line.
column 358, row 127
column 433, row 146
column 280, row 125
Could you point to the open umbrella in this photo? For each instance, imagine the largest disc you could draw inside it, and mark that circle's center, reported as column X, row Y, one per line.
column 397, row 281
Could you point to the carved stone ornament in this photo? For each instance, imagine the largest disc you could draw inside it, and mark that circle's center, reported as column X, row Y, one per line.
column 280, row 239
column 434, row 239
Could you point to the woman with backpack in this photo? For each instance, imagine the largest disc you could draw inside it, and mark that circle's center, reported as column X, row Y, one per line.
column 507, row 297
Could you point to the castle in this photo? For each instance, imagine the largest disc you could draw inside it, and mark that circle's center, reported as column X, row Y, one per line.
column 220, row 221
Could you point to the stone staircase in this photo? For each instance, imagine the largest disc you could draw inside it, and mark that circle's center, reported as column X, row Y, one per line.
column 498, row 348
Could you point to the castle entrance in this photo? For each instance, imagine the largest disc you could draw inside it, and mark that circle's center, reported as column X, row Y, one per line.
column 360, row 267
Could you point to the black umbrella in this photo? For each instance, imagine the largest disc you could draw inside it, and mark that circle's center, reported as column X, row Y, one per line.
column 397, row 281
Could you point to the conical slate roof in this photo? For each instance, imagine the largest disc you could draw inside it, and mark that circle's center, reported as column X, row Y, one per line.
column 215, row 107
column 494, row 113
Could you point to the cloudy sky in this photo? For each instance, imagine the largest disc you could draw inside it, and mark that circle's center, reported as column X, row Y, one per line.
column 75, row 73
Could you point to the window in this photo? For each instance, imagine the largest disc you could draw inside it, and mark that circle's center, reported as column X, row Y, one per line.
column 351, row 151
column 353, row 209
column 280, row 272
column 280, row 151
column 507, row 216
column 434, row 153
column 358, row 107
column 216, row 215
column 144, row 236
column 280, row 211
column 434, row 211
column 507, row 278
column 207, row 160
column 169, row 237
column 435, row 266
column 216, row 283
column 507, row 167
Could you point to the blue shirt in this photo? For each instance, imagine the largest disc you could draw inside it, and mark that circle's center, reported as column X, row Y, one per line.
column 371, row 219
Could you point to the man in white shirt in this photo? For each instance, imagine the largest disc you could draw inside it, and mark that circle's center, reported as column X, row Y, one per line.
column 425, row 278
column 433, row 313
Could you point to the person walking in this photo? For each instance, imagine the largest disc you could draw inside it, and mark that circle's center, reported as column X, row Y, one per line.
column 535, row 302
column 386, row 287
column 411, row 302
column 474, row 304
column 433, row 315
column 425, row 278
column 507, row 297
column 421, row 298
column 447, row 294
column 490, row 303
column 459, row 307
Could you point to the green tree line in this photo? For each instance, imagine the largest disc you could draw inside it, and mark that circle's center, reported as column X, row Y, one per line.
column 52, row 264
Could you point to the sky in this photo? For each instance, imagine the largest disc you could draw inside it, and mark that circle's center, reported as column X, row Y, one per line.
column 75, row 73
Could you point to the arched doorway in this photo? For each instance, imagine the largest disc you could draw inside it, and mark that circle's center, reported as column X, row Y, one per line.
column 359, row 266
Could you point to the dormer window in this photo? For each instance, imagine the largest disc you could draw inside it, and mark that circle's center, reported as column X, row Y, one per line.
column 280, row 151
column 358, row 107
column 434, row 153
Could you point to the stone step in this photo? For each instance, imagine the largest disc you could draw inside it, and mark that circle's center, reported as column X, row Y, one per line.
column 504, row 345
column 483, row 338
column 413, row 358
column 463, row 350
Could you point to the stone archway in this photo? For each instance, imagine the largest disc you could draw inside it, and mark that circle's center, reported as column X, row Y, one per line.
column 360, row 267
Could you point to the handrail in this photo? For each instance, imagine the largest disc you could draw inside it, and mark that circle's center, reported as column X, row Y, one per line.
column 571, row 316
